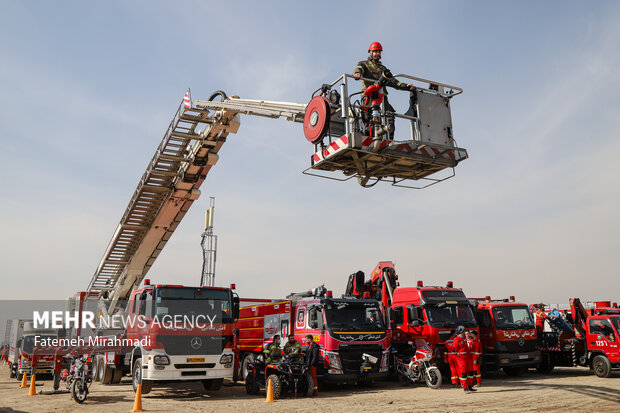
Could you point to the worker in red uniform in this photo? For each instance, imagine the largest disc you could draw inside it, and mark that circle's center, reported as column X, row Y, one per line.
column 4, row 355
column 476, row 352
column 454, row 374
column 470, row 360
column 462, row 358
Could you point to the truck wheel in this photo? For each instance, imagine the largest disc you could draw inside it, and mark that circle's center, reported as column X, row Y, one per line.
column 546, row 365
column 12, row 373
column 136, row 376
column 276, row 385
column 105, row 373
column 251, row 386
column 117, row 375
column 601, row 366
column 212, row 384
column 250, row 358
column 433, row 378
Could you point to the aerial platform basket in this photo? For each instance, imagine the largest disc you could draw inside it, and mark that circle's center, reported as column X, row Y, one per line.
column 426, row 152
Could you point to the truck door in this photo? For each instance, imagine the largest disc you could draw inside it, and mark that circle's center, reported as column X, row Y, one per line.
column 601, row 336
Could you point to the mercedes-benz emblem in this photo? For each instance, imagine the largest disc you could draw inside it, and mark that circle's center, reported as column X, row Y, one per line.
column 521, row 341
column 196, row 343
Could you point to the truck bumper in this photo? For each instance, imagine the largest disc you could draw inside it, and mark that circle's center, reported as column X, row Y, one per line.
column 195, row 367
column 499, row 360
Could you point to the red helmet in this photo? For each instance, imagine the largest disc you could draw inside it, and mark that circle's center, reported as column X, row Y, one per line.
column 375, row 46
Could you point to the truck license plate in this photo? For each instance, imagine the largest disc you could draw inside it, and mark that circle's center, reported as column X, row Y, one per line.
column 523, row 356
column 196, row 360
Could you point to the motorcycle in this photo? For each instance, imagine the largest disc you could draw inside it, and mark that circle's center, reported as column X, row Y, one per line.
column 79, row 378
column 418, row 367
column 287, row 376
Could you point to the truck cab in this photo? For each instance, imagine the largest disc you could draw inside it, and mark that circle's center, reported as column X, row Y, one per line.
column 508, row 335
column 431, row 313
column 33, row 347
column 603, row 342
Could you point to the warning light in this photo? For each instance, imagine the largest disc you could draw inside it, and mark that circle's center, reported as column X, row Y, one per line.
column 420, row 284
column 450, row 284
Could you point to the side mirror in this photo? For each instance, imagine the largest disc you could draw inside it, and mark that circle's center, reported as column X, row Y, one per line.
column 235, row 309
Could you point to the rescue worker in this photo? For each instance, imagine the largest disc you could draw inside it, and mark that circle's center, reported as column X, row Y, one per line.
column 471, row 374
column 4, row 355
column 273, row 353
column 454, row 374
column 312, row 360
column 462, row 355
column 372, row 68
column 476, row 352
column 292, row 347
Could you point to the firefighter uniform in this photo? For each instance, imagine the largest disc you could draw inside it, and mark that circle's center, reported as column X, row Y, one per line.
column 292, row 348
column 454, row 374
column 462, row 354
column 476, row 351
column 470, row 363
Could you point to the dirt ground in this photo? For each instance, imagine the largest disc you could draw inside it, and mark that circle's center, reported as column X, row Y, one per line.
column 563, row 390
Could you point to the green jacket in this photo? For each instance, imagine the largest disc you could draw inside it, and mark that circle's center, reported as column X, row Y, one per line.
column 370, row 69
column 292, row 349
column 272, row 353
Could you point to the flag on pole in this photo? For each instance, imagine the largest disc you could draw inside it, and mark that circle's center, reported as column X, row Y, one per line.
column 186, row 101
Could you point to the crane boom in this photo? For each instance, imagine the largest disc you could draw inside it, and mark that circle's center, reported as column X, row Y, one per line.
column 170, row 185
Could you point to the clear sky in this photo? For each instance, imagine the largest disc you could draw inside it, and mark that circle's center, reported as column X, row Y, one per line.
column 87, row 90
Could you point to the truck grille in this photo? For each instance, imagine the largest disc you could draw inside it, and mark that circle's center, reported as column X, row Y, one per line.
column 515, row 347
column 181, row 345
column 351, row 356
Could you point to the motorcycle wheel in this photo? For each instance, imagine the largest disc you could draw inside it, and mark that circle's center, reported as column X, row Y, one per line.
column 403, row 379
column 433, row 377
column 79, row 391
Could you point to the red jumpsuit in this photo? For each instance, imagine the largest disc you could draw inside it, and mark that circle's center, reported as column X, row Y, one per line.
column 462, row 356
column 454, row 374
column 470, row 363
column 476, row 351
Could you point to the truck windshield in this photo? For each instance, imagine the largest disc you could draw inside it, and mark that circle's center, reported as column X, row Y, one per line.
column 28, row 343
column 512, row 318
column 354, row 316
column 616, row 322
column 450, row 316
column 197, row 304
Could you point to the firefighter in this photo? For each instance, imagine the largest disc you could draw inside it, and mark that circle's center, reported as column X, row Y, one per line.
column 454, row 374
column 4, row 354
column 292, row 347
column 272, row 351
column 312, row 360
column 372, row 68
column 471, row 374
column 462, row 355
column 476, row 352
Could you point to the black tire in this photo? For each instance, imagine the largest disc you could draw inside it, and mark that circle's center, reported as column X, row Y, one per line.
column 249, row 358
column 12, row 373
column 309, row 382
column 276, row 385
column 95, row 368
column 117, row 375
column 136, row 378
column 514, row 371
column 601, row 366
column 433, row 378
column 251, row 386
column 213, row 384
column 79, row 392
column 546, row 365
column 105, row 373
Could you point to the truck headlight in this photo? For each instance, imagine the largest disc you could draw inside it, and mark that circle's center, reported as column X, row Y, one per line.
column 334, row 360
column 161, row 360
column 226, row 359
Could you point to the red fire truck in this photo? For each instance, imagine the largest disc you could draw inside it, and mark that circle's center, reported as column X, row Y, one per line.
column 351, row 333
column 428, row 312
column 580, row 337
column 508, row 335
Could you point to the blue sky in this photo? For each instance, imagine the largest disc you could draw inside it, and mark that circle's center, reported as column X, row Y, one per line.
column 88, row 88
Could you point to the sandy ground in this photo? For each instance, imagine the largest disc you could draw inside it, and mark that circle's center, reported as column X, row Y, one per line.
column 563, row 390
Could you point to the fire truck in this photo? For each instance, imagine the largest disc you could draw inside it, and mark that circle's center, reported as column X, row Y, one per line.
column 14, row 333
column 508, row 335
column 343, row 140
column 27, row 351
column 431, row 313
column 351, row 333
column 579, row 337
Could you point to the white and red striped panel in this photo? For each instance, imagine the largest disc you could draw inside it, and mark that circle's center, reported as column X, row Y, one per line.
column 407, row 147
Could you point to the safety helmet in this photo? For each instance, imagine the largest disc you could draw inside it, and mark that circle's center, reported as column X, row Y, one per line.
column 460, row 330
column 375, row 46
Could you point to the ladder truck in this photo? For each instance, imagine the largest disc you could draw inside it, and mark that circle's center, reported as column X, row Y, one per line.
column 344, row 141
